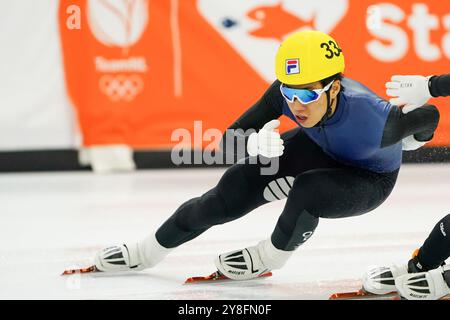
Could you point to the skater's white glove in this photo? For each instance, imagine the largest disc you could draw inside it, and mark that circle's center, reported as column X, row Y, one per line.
column 411, row 92
column 267, row 142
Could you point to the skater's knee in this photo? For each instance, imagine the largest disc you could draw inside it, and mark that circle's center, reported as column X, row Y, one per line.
column 291, row 231
column 214, row 208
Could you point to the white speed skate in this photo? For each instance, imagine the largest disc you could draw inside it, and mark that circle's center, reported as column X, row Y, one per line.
column 381, row 280
column 119, row 258
column 241, row 264
column 251, row 262
column 132, row 256
column 431, row 285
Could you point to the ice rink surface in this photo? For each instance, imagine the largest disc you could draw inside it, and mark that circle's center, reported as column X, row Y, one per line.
column 53, row 221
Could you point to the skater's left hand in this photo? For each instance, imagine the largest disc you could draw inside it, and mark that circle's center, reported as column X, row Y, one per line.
column 266, row 142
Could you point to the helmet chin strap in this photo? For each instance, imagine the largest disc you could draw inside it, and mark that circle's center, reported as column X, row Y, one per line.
column 329, row 111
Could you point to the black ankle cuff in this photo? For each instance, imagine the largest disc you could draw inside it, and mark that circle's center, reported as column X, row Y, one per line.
column 414, row 266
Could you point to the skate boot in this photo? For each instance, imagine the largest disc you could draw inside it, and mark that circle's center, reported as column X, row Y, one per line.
column 131, row 257
column 119, row 258
column 381, row 279
column 251, row 262
column 431, row 285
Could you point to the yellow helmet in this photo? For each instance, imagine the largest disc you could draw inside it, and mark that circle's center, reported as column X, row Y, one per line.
column 308, row 56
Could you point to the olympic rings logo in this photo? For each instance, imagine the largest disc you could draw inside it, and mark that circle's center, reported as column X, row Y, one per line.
column 121, row 88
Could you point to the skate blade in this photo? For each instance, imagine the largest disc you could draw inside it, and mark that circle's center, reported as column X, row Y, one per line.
column 217, row 277
column 90, row 269
column 364, row 295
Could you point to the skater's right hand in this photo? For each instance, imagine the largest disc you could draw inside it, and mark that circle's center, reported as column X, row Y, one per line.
column 267, row 142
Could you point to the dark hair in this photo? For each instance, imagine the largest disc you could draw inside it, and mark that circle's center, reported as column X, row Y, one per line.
column 337, row 76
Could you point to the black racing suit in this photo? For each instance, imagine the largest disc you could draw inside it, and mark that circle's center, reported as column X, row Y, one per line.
column 316, row 184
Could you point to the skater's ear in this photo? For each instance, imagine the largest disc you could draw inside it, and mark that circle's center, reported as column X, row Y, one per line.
column 335, row 89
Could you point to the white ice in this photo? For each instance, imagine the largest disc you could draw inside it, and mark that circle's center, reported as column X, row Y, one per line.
column 53, row 221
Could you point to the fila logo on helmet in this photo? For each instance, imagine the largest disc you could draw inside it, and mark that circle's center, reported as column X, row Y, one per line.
column 292, row 66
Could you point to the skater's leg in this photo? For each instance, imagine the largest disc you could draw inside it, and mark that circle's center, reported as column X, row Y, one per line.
column 239, row 191
column 436, row 248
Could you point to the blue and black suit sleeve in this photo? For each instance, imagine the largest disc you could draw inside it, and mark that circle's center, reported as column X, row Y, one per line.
column 421, row 122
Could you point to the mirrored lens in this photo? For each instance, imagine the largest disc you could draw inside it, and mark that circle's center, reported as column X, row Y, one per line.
column 305, row 96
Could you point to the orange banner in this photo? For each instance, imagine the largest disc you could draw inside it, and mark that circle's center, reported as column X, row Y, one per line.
column 137, row 70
